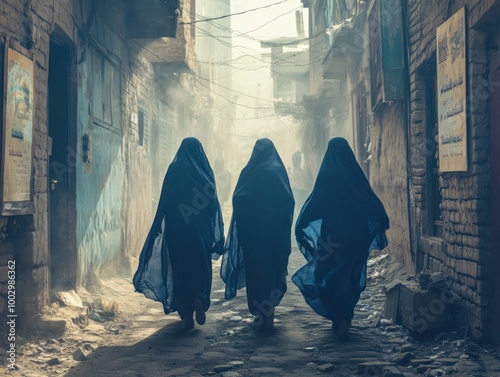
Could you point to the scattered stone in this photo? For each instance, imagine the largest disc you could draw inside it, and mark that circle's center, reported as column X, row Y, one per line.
column 407, row 348
column 106, row 305
column 402, row 359
column 422, row 368
column 236, row 363
column 437, row 372
column 79, row 355
column 268, row 370
column 383, row 322
column 88, row 347
column 464, row 357
column 96, row 317
column 447, row 361
column 392, row 328
column 372, row 367
column 326, row 367
column 309, row 349
column 231, row 374
column 392, row 371
column 68, row 298
column 236, row 318
column 473, row 355
column 422, row 361
column 54, row 361
column 222, row 368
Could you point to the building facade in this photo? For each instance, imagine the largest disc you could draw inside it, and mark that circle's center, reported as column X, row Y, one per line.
column 106, row 120
column 421, row 82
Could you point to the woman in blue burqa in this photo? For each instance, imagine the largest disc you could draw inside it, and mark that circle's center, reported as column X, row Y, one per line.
column 175, row 265
column 259, row 239
column 339, row 224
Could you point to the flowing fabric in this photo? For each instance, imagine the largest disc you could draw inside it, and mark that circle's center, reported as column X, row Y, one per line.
column 259, row 242
column 175, row 265
column 339, row 224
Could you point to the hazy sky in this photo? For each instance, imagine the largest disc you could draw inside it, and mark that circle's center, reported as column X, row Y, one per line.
column 283, row 25
column 252, row 76
column 251, row 20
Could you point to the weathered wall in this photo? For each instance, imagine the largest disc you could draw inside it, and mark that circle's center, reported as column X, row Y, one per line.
column 114, row 204
column 99, row 189
column 464, row 250
column 138, row 200
column 25, row 238
column 389, row 176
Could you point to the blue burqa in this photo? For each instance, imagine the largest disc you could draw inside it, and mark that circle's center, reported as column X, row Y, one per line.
column 340, row 222
column 259, row 242
column 175, row 265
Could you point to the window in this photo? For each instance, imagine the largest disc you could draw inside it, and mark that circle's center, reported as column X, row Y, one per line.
column 106, row 90
column 434, row 219
column 387, row 52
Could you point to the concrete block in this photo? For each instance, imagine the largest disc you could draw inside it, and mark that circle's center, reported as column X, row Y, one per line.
column 391, row 309
column 51, row 326
column 372, row 368
column 421, row 310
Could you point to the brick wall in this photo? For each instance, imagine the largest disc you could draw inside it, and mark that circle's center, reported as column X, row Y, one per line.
column 464, row 249
column 25, row 238
column 29, row 248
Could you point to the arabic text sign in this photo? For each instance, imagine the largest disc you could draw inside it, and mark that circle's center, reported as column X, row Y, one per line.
column 451, row 93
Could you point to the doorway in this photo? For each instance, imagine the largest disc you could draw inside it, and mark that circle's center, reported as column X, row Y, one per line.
column 61, row 170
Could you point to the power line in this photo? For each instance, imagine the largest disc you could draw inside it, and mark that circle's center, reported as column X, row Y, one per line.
column 233, row 14
column 245, row 34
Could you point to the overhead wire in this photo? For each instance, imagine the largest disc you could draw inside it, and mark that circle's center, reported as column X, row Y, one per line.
column 219, row 94
column 237, row 59
column 234, row 14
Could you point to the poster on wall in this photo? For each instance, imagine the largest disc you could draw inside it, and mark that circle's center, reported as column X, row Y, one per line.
column 452, row 94
column 17, row 139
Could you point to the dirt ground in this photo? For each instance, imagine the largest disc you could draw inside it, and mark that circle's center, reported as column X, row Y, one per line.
column 142, row 342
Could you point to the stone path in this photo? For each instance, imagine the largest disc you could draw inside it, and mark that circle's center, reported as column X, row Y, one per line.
column 143, row 342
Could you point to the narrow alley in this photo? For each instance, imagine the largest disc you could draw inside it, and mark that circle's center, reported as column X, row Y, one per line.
column 142, row 342
column 161, row 156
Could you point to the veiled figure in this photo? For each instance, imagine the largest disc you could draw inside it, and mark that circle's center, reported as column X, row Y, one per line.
column 175, row 265
column 259, row 239
column 339, row 224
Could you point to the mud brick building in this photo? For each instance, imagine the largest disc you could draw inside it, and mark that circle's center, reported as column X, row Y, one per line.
column 402, row 116
column 104, row 77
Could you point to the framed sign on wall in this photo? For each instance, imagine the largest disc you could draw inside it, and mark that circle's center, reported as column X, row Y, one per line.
column 17, row 134
column 452, row 93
